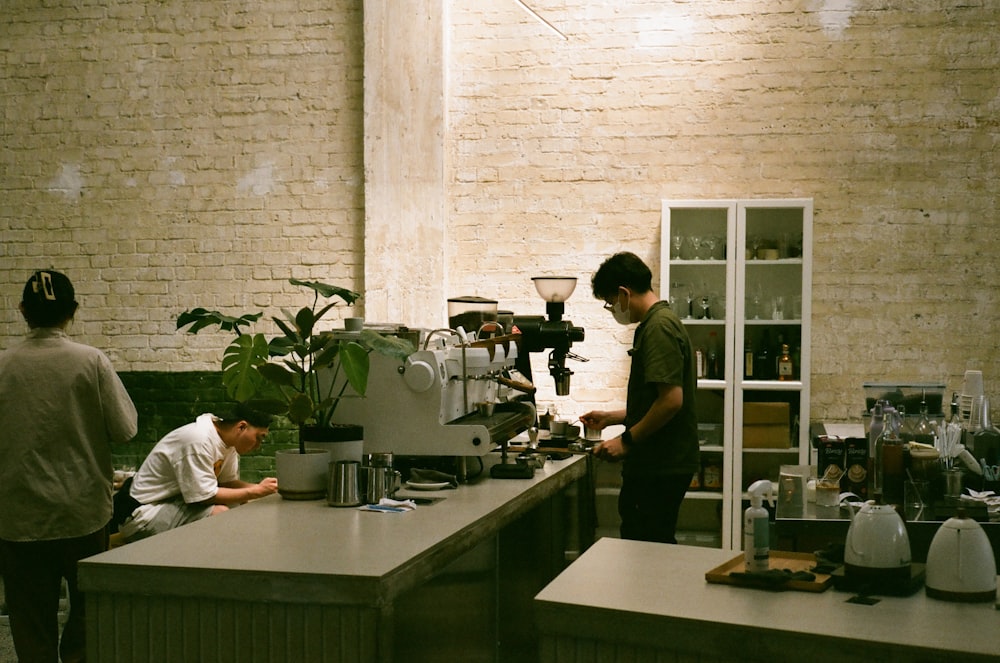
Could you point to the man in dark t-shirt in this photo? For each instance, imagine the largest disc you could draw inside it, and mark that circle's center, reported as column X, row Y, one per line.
column 659, row 447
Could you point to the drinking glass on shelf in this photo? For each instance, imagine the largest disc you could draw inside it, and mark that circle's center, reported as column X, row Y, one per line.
column 778, row 308
column 695, row 242
column 755, row 242
column 756, row 302
column 708, row 247
column 676, row 242
column 689, row 311
column 705, row 306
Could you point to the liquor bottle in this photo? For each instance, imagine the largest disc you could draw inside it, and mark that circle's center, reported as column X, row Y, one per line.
column 784, row 364
column 775, row 374
column 713, row 370
column 699, row 363
column 748, row 361
column 763, row 365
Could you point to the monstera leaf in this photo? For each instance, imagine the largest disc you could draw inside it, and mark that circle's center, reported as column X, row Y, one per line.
column 241, row 363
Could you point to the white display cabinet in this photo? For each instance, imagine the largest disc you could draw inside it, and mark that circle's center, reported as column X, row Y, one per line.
column 739, row 274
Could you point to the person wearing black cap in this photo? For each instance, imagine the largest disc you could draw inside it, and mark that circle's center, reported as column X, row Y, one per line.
column 194, row 472
column 62, row 406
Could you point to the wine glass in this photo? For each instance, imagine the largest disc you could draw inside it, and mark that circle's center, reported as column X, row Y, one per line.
column 695, row 242
column 689, row 298
column 676, row 241
column 708, row 244
column 756, row 301
column 704, row 308
column 755, row 242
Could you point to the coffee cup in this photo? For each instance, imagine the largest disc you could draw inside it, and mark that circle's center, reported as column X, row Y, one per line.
column 354, row 324
column 592, row 433
column 557, row 427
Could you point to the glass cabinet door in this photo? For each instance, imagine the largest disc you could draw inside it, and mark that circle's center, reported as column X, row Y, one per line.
column 738, row 273
column 698, row 276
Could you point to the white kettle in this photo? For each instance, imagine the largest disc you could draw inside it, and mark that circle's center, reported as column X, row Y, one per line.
column 960, row 562
column 877, row 546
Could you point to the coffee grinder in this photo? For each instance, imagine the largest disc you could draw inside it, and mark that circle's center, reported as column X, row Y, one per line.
column 537, row 334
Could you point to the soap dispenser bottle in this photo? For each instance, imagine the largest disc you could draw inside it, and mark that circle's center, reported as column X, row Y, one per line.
column 756, row 528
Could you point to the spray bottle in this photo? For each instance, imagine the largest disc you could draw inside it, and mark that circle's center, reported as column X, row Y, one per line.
column 756, row 527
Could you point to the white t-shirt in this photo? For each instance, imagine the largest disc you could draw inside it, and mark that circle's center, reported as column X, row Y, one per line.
column 190, row 461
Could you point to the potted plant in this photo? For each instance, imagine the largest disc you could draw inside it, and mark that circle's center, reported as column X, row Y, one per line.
column 301, row 373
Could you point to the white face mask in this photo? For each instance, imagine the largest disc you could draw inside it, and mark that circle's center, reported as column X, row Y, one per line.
column 622, row 314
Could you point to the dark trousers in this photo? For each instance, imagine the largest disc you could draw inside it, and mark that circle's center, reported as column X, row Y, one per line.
column 32, row 577
column 648, row 507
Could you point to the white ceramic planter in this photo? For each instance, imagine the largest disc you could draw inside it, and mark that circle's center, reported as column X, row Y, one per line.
column 302, row 476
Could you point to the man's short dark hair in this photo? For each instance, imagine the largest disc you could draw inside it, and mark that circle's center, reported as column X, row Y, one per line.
column 246, row 412
column 622, row 269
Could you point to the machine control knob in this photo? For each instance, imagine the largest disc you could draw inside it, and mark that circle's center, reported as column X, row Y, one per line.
column 419, row 375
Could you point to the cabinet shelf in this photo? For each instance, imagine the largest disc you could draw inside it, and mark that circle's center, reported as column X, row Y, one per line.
column 771, row 385
column 703, row 495
column 769, row 323
column 783, row 452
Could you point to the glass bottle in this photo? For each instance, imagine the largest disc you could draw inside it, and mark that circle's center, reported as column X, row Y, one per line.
column 923, row 430
column 713, row 370
column 889, row 470
column 874, row 434
column 785, row 364
column 748, row 357
column 763, row 365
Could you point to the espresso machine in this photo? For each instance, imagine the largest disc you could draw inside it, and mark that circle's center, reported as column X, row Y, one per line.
column 454, row 397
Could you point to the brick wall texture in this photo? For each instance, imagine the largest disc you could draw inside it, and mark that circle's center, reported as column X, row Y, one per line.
column 198, row 153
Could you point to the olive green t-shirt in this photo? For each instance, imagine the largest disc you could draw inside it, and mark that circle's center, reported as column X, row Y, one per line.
column 661, row 353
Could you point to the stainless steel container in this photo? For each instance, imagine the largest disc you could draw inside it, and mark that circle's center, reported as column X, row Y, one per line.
column 344, row 489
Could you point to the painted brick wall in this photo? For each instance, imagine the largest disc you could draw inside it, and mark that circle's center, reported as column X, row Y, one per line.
column 169, row 155
column 885, row 113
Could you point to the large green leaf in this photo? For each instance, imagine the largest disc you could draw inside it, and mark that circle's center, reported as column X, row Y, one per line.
column 390, row 346
column 240, row 362
column 300, row 409
column 202, row 318
column 277, row 374
column 354, row 359
column 349, row 296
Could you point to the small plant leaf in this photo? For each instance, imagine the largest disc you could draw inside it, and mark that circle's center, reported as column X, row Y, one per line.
column 354, row 358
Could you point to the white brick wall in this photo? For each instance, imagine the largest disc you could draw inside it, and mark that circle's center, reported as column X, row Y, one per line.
column 168, row 155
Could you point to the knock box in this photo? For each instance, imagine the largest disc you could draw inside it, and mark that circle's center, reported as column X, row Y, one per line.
column 766, row 426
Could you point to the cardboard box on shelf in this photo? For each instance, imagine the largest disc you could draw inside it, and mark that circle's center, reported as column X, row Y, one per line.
column 766, row 426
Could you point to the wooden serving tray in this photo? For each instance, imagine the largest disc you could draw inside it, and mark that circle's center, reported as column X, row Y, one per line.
column 793, row 561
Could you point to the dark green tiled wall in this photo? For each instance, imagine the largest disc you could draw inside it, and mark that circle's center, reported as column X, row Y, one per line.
column 166, row 401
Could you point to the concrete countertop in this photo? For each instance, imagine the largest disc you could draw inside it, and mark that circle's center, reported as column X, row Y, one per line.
column 656, row 594
column 309, row 552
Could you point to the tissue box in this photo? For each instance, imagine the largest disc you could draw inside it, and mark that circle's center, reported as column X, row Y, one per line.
column 766, row 426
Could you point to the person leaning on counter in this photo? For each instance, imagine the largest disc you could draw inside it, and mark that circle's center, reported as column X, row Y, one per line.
column 193, row 473
column 62, row 406
column 659, row 447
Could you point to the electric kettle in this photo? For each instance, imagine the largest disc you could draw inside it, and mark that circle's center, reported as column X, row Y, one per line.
column 877, row 546
column 960, row 562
